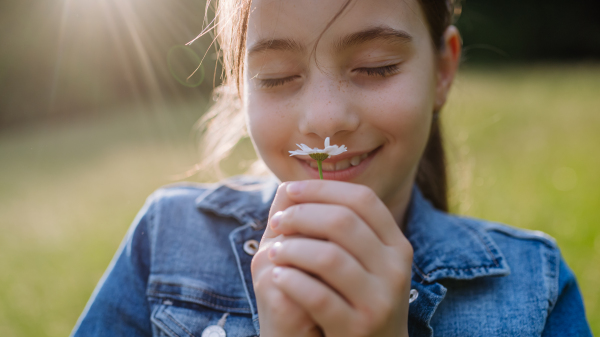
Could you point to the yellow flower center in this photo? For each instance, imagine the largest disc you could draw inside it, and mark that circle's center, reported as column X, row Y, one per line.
column 319, row 156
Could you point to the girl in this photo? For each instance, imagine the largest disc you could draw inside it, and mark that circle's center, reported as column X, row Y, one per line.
column 369, row 250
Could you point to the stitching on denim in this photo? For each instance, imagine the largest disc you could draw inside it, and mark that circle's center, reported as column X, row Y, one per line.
column 459, row 269
column 179, row 324
column 247, row 288
column 419, row 271
column 203, row 290
column 425, row 276
column 158, row 321
column 167, row 327
column 484, row 243
column 546, row 242
column 201, row 301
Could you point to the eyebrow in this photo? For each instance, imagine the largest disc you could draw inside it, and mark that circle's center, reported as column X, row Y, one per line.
column 275, row 44
column 385, row 33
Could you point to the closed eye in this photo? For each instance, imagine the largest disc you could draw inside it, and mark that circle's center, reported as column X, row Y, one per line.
column 380, row 71
column 275, row 82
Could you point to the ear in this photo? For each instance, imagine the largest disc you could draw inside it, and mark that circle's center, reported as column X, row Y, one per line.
column 448, row 61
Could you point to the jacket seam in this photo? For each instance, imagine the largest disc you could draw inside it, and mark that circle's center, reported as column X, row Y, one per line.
column 420, row 272
column 167, row 327
column 201, row 289
column 199, row 300
column 487, row 248
column 158, row 321
column 554, row 290
column 179, row 324
column 450, row 268
column 546, row 242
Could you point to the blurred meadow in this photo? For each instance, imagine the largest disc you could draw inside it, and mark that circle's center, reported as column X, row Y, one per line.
column 96, row 113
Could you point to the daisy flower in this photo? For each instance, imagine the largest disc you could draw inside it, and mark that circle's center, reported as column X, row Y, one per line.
column 319, row 154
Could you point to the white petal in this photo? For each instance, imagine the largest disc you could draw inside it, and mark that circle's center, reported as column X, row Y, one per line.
column 338, row 151
column 335, row 150
column 331, row 150
column 297, row 153
column 304, row 147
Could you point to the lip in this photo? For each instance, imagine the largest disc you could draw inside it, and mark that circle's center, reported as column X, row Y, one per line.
column 341, row 175
column 339, row 157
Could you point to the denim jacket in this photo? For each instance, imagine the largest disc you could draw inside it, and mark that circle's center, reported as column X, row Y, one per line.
column 184, row 265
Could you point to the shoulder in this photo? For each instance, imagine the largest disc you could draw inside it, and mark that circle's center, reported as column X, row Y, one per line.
column 198, row 218
column 524, row 244
column 517, row 242
column 526, row 251
column 515, row 235
column 179, row 193
column 188, row 207
column 237, row 197
column 522, row 297
column 539, row 278
column 533, row 257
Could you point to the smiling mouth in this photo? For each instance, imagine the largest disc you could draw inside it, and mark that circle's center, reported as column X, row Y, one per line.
column 342, row 164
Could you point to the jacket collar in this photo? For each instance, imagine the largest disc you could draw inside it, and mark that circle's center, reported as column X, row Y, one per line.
column 445, row 246
column 246, row 199
column 448, row 246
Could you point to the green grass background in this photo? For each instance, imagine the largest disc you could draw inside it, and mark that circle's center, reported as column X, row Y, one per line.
column 522, row 143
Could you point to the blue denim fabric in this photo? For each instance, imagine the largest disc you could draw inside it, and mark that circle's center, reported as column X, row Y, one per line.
column 182, row 266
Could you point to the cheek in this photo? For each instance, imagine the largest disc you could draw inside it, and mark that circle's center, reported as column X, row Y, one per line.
column 403, row 108
column 269, row 125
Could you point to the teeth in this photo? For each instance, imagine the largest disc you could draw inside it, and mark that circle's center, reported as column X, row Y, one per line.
column 342, row 164
column 328, row 166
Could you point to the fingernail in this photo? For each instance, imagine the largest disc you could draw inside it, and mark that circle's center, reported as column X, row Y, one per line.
column 276, row 272
column 296, row 187
column 275, row 219
column 274, row 249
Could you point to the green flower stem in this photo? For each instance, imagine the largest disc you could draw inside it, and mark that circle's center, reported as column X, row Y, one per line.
column 319, row 157
column 320, row 169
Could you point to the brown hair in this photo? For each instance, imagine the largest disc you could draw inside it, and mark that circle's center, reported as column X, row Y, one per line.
column 222, row 135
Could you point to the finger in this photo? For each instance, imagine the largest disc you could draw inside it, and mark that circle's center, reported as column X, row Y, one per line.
column 325, row 306
column 279, row 313
column 280, row 203
column 334, row 223
column 361, row 199
column 328, row 262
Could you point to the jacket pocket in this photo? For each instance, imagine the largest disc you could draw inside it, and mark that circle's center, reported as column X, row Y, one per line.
column 185, row 309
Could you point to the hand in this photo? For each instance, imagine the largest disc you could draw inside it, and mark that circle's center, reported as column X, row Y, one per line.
column 278, row 315
column 352, row 272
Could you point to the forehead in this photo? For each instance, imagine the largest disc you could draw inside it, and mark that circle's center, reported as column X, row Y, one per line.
column 303, row 20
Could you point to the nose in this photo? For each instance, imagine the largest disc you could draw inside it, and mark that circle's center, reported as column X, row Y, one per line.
column 328, row 108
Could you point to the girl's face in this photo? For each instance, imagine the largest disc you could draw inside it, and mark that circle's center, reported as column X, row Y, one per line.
column 373, row 88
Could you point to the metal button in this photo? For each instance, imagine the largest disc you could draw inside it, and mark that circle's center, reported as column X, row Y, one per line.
column 413, row 295
column 251, row 247
column 216, row 330
column 213, row 331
